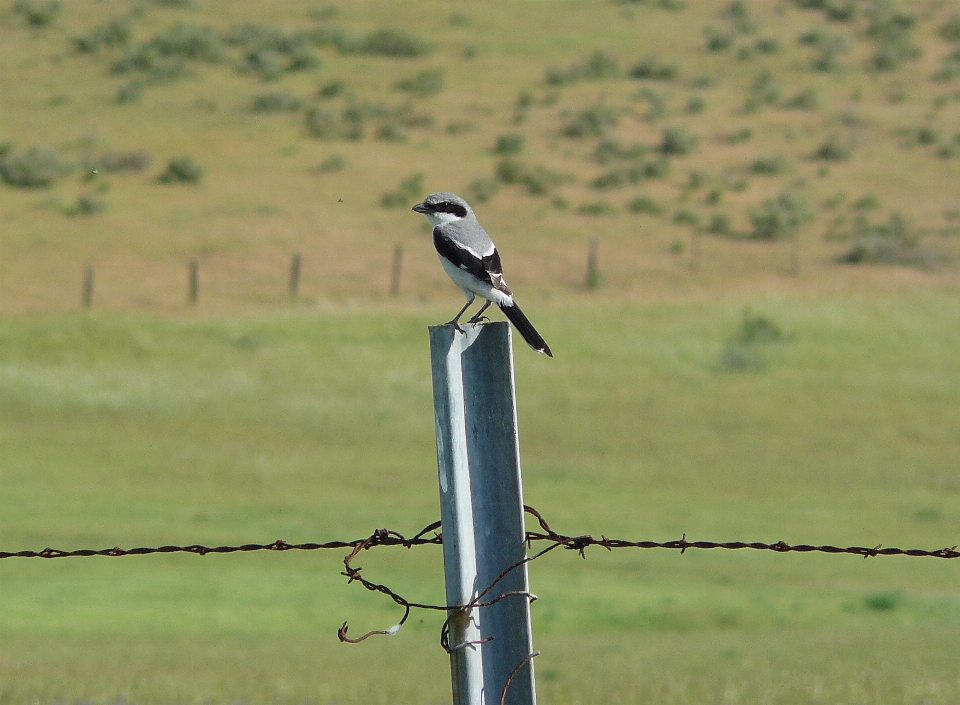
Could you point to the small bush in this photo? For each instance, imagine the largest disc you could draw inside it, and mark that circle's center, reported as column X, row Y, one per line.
column 719, row 224
column 538, row 179
column 950, row 30
column 717, row 40
column 884, row 601
column 391, row 132
column 687, row 216
column 598, row 66
column 769, row 165
column 597, row 208
column 591, row 122
column 780, row 217
column 696, row 105
column 332, row 164
column 482, row 190
column 656, row 168
column 35, row 167
column 645, row 204
column 742, row 351
column 618, row 178
column 406, row 191
column 768, row 45
column 331, row 89
column 183, row 170
column 115, row 33
column 741, row 135
column 832, row 149
column 807, row 99
column 507, row 145
column 764, row 90
column 86, row 204
column 136, row 160
column 423, row 84
column 390, row 42
column 38, row 13
column 657, row 104
column 650, row 67
column 611, row 150
column 893, row 52
column 276, row 102
column 868, row 201
column 678, row 141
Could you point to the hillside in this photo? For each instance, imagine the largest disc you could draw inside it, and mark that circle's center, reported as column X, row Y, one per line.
column 755, row 143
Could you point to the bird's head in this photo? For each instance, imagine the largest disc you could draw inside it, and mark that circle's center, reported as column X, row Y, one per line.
column 441, row 208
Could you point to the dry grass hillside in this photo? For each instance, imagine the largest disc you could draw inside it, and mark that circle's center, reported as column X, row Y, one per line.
column 710, row 147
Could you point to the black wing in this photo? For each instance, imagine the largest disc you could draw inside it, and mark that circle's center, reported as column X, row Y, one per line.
column 480, row 267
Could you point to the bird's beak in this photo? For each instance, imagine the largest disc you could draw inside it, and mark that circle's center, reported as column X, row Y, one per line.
column 422, row 208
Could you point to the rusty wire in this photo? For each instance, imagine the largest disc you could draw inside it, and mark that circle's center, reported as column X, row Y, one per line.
column 385, row 537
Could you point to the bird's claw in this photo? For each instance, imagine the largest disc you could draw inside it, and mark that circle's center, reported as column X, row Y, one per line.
column 457, row 326
column 478, row 319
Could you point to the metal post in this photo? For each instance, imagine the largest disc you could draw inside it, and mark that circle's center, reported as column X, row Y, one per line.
column 88, row 287
column 593, row 274
column 295, row 265
column 194, row 275
column 481, row 510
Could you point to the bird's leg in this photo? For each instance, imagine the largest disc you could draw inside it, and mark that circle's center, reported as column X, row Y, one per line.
column 455, row 322
column 478, row 316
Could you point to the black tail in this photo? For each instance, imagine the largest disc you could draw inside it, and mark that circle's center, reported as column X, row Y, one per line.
column 526, row 329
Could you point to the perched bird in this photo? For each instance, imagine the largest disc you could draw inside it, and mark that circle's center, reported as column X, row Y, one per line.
column 470, row 258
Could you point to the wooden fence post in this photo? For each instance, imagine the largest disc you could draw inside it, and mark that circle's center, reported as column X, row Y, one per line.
column 88, row 287
column 481, row 510
column 593, row 273
column 194, row 276
column 295, row 265
column 397, row 268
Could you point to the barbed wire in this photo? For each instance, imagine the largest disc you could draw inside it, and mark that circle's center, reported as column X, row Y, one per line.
column 431, row 535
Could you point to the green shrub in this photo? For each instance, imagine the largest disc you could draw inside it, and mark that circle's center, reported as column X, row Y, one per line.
column 86, row 204
column 597, row 208
column 927, row 134
column 656, row 168
column 678, row 141
column 714, row 196
column 275, row 102
column 618, row 178
column 716, row 39
column 112, row 162
column 331, row 89
column 832, row 149
column 115, row 33
column 538, row 179
column 38, row 13
column 508, row 144
column 482, row 190
column 807, row 99
column 868, row 201
column 741, row 135
column 657, row 105
column 764, row 90
column 130, row 92
column 645, row 204
column 389, row 42
column 780, row 217
column 950, row 67
column 696, row 105
column 768, row 45
column 591, row 122
column 610, row 150
column 408, row 190
column 34, row 167
column 719, row 224
column 183, row 170
column 687, row 216
column 884, row 601
column 596, row 67
column 332, row 164
column 423, row 84
column 769, row 165
column 650, row 67
column 391, row 132
column 950, row 30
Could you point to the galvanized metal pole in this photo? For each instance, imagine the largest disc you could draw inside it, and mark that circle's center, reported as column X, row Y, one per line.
column 481, row 510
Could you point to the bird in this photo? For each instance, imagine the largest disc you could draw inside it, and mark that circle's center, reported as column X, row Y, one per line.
column 471, row 260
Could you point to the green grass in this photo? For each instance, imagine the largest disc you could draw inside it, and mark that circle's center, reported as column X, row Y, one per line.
column 137, row 430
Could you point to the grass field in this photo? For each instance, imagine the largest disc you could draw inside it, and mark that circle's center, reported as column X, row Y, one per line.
column 730, row 378
column 142, row 430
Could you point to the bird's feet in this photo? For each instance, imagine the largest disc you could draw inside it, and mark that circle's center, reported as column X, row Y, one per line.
column 478, row 318
column 456, row 325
